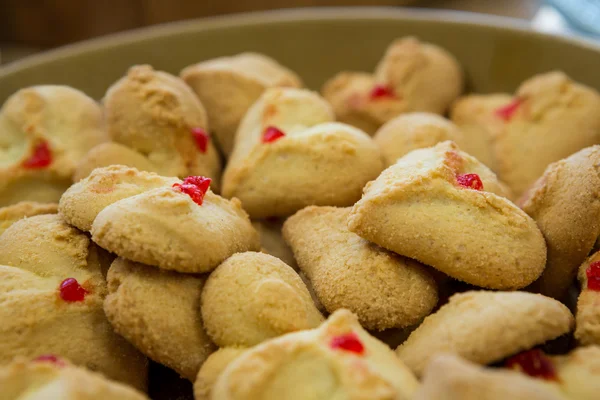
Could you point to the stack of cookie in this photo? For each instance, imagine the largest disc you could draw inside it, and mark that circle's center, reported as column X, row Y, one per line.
column 355, row 245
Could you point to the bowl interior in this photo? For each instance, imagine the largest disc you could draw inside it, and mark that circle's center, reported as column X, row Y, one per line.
column 497, row 53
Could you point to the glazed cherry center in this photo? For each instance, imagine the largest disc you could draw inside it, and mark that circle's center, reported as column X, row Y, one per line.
column 50, row 358
column 533, row 363
column 382, row 91
column 195, row 187
column 41, row 157
column 71, row 291
column 507, row 112
column 348, row 342
column 201, row 138
column 593, row 276
column 470, row 181
column 272, row 134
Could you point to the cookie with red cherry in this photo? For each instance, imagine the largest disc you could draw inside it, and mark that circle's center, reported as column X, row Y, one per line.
column 45, row 131
column 52, row 288
column 587, row 317
column 51, row 377
column 565, row 204
column 486, row 327
column 444, row 208
column 228, row 86
column 412, row 76
column 289, row 153
column 383, row 289
column 338, row 358
column 155, row 116
column 11, row 214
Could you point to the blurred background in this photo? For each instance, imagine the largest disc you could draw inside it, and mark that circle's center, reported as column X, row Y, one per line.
column 29, row 26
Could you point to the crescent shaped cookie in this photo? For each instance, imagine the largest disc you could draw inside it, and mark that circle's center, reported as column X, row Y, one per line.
column 444, row 208
column 383, row 289
column 51, row 377
column 411, row 76
column 587, row 317
column 484, row 327
column 565, row 203
column 51, row 294
column 145, row 303
column 338, row 359
column 252, row 297
column 44, row 132
column 290, row 154
column 228, row 86
column 11, row 214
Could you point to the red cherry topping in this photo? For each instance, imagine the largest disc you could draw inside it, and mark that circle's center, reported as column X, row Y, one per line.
column 348, row 342
column 533, row 363
column 195, row 187
column 593, row 276
column 71, row 291
column 470, row 181
column 506, row 112
column 41, row 157
column 50, row 358
column 271, row 134
column 381, row 91
column 201, row 138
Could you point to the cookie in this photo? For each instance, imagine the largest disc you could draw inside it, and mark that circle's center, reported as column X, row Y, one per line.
column 11, row 214
column 51, row 377
column 290, row 154
column 587, row 318
column 45, row 131
column 444, row 208
column 203, row 229
column 484, row 327
column 565, row 203
column 338, row 359
column 252, row 297
column 157, row 115
column 579, row 373
column 51, row 295
column 412, row 131
column 411, row 76
column 271, row 240
column 228, row 86
column 144, row 303
column 383, row 289
column 212, row 369
column 82, row 202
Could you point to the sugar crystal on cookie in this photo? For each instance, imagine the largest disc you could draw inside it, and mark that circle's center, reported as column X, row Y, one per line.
column 195, row 187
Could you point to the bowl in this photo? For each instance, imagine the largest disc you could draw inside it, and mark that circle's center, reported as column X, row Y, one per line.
column 497, row 53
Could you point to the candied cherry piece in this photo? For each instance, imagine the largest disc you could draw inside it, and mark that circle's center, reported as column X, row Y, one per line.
column 201, row 138
column 533, row 363
column 593, row 276
column 470, row 181
column 195, row 187
column 41, row 157
column 506, row 112
column 71, row 291
column 272, row 134
column 382, row 91
column 50, row 358
column 348, row 342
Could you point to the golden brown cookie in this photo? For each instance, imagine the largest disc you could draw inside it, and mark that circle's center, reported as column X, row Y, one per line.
column 383, row 289
column 337, row 360
column 189, row 215
column 11, row 214
column 484, row 327
column 82, row 202
column 565, row 203
column 411, row 76
column 156, row 115
column 252, row 297
column 51, row 295
column 228, row 86
column 211, row 370
column 444, row 208
column 587, row 318
column 159, row 313
column 52, row 378
column 44, row 132
column 579, row 373
column 290, row 154
column 271, row 240
column 412, row 131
